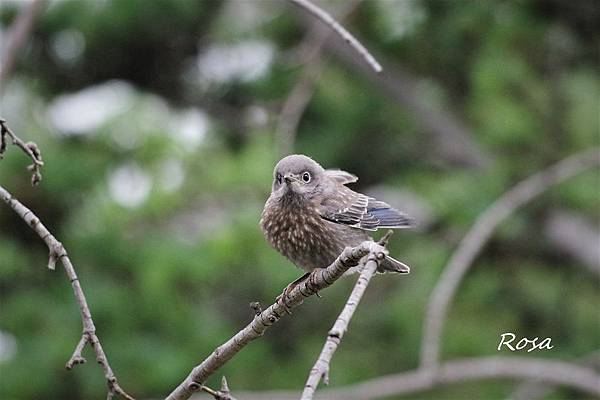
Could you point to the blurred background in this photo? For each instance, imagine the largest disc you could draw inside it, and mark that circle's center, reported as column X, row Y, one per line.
column 160, row 122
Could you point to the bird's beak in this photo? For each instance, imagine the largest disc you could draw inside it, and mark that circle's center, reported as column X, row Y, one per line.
column 289, row 178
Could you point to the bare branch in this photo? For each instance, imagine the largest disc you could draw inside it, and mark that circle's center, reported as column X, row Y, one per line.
column 534, row 389
column 479, row 234
column 295, row 105
column 222, row 394
column 299, row 97
column 321, row 368
column 452, row 137
column 347, row 36
column 17, row 38
column 58, row 252
column 571, row 234
column 318, row 280
column 30, row 148
column 549, row 371
column 77, row 357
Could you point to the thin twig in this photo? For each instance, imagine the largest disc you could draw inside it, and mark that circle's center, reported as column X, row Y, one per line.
column 30, row 148
column 299, row 97
column 479, row 234
column 17, row 37
column 294, row 106
column 77, row 357
column 347, row 36
column 452, row 138
column 318, row 280
column 222, row 394
column 321, row 368
column 546, row 370
column 58, row 252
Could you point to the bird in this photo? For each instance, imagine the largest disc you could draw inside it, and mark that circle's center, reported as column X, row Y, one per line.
column 311, row 216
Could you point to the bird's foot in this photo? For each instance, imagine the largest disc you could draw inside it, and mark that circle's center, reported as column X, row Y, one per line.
column 288, row 291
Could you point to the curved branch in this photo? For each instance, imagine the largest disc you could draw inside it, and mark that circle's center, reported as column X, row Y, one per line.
column 58, row 252
column 335, row 335
column 347, row 36
column 294, row 106
column 573, row 235
column 462, row 370
column 557, row 372
column 479, row 234
column 317, row 280
column 534, row 389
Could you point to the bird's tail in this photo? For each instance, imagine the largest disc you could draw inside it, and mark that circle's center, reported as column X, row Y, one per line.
column 390, row 264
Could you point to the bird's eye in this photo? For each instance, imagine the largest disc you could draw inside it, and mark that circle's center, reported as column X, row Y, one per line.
column 279, row 178
column 306, row 177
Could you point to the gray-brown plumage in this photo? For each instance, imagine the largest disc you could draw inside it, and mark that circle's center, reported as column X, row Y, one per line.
column 311, row 216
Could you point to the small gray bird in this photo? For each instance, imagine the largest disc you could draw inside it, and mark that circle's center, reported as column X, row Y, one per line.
column 311, row 216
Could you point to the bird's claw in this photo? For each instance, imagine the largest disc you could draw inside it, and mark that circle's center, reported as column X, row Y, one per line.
column 284, row 296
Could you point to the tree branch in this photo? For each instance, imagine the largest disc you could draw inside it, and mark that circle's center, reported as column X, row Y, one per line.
column 479, row 234
column 572, row 234
column 335, row 335
column 17, row 37
column 222, row 394
column 462, row 370
column 344, row 34
column 58, row 252
column 318, row 280
column 294, row 106
column 30, row 148
column 452, row 137
column 534, row 389
column 299, row 97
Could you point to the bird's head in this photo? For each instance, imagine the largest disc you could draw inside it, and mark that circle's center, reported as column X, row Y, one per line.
column 296, row 175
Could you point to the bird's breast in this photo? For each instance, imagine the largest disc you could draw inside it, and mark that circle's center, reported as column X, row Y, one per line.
column 300, row 234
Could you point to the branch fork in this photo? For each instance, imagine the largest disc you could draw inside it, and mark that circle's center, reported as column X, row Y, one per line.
column 223, row 394
column 320, row 370
column 30, row 148
column 319, row 280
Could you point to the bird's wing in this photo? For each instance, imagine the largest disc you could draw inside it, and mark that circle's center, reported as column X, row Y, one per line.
column 345, row 206
column 340, row 176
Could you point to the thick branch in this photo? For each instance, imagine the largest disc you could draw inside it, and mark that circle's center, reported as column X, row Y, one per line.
column 479, row 234
column 572, row 234
column 318, row 280
column 534, row 389
column 344, row 34
column 335, row 335
column 561, row 373
column 58, row 252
